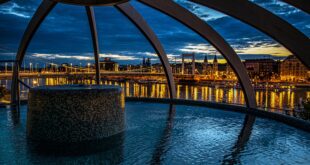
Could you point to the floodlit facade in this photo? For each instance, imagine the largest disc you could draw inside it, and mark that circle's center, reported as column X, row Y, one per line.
column 293, row 70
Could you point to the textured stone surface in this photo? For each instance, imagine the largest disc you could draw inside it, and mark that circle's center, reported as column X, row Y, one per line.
column 74, row 113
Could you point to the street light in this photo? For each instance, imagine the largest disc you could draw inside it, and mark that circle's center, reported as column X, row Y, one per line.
column 30, row 67
column 88, row 64
column 6, row 68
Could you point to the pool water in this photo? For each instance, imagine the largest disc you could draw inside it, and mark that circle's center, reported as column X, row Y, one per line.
column 167, row 134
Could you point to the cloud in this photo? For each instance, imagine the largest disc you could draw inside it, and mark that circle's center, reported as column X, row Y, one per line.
column 252, row 48
column 198, row 48
column 203, row 12
column 65, row 36
column 84, row 57
column 120, row 57
column 60, row 56
column 14, row 9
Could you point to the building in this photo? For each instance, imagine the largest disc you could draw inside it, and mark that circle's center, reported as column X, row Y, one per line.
column 146, row 62
column 146, row 65
column 215, row 67
column 188, row 69
column 293, row 70
column 206, row 69
column 108, row 65
column 262, row 69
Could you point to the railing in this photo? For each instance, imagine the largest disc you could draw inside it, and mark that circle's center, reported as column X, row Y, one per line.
column 301, row 113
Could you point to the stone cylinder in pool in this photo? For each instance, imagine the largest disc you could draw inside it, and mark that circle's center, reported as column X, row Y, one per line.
column 74, row 113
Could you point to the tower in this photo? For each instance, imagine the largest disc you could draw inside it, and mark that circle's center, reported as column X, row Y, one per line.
column 143, row 62
column 148, row 62
column 205, row 64
column 215, row 66
column 193, row 62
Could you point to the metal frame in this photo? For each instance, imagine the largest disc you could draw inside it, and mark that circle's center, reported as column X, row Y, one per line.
column 146, row 30
column 45, row 7
column 92, row 2
column 4, row 1
column 207, row 32
column 93, row 29
column 265, row 21
column 245, row 11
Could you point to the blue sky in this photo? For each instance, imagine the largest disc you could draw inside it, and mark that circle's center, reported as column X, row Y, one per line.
column 65, row 37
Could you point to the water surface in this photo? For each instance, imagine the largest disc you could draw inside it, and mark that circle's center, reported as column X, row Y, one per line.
column 167, row 134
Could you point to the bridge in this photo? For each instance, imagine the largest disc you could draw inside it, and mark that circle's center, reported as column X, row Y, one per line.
column 120, row 75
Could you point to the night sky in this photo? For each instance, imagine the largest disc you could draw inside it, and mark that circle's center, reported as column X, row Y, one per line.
column 65, row 36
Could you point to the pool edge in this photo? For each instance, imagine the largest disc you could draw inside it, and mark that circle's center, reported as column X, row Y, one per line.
column 292, row 121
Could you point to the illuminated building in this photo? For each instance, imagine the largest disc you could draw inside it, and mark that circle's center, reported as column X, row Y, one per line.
column 185, row 68
column 261, row 69
column 108, row 65
column 146, row 65
column 293, row 70
column 215, row 68
column 206, row 67
column 146, row 62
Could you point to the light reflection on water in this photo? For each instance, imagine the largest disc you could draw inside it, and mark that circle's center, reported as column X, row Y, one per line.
column 284, row 99
column 166, row 134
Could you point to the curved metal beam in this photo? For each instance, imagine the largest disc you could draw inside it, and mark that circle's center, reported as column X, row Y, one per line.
column 92, row 2
column 303, row 5
column 44, row 9
column 4, row 1
column 93, row 29
column 265, row 21
column 146, row 30
column 207, row 32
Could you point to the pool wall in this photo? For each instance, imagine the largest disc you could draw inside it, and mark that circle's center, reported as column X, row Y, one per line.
column 292, row 121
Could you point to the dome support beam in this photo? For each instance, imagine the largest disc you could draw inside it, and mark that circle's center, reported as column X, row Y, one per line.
column 207, row 32
column 146, row 30
column 94, row 33
column 265, row 21
column 44, row 9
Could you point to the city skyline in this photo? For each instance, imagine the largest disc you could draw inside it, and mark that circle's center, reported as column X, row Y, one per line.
column 125, row 44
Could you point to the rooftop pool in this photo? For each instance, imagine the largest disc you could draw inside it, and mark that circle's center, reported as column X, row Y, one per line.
column 166, row 134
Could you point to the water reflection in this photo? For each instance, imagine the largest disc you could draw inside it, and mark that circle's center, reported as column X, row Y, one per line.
column 194, row 135
column 113, row 144
column 243, row 138
column 233, row 157
column 271, row 99
column 14, row 115
column 161, row 147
